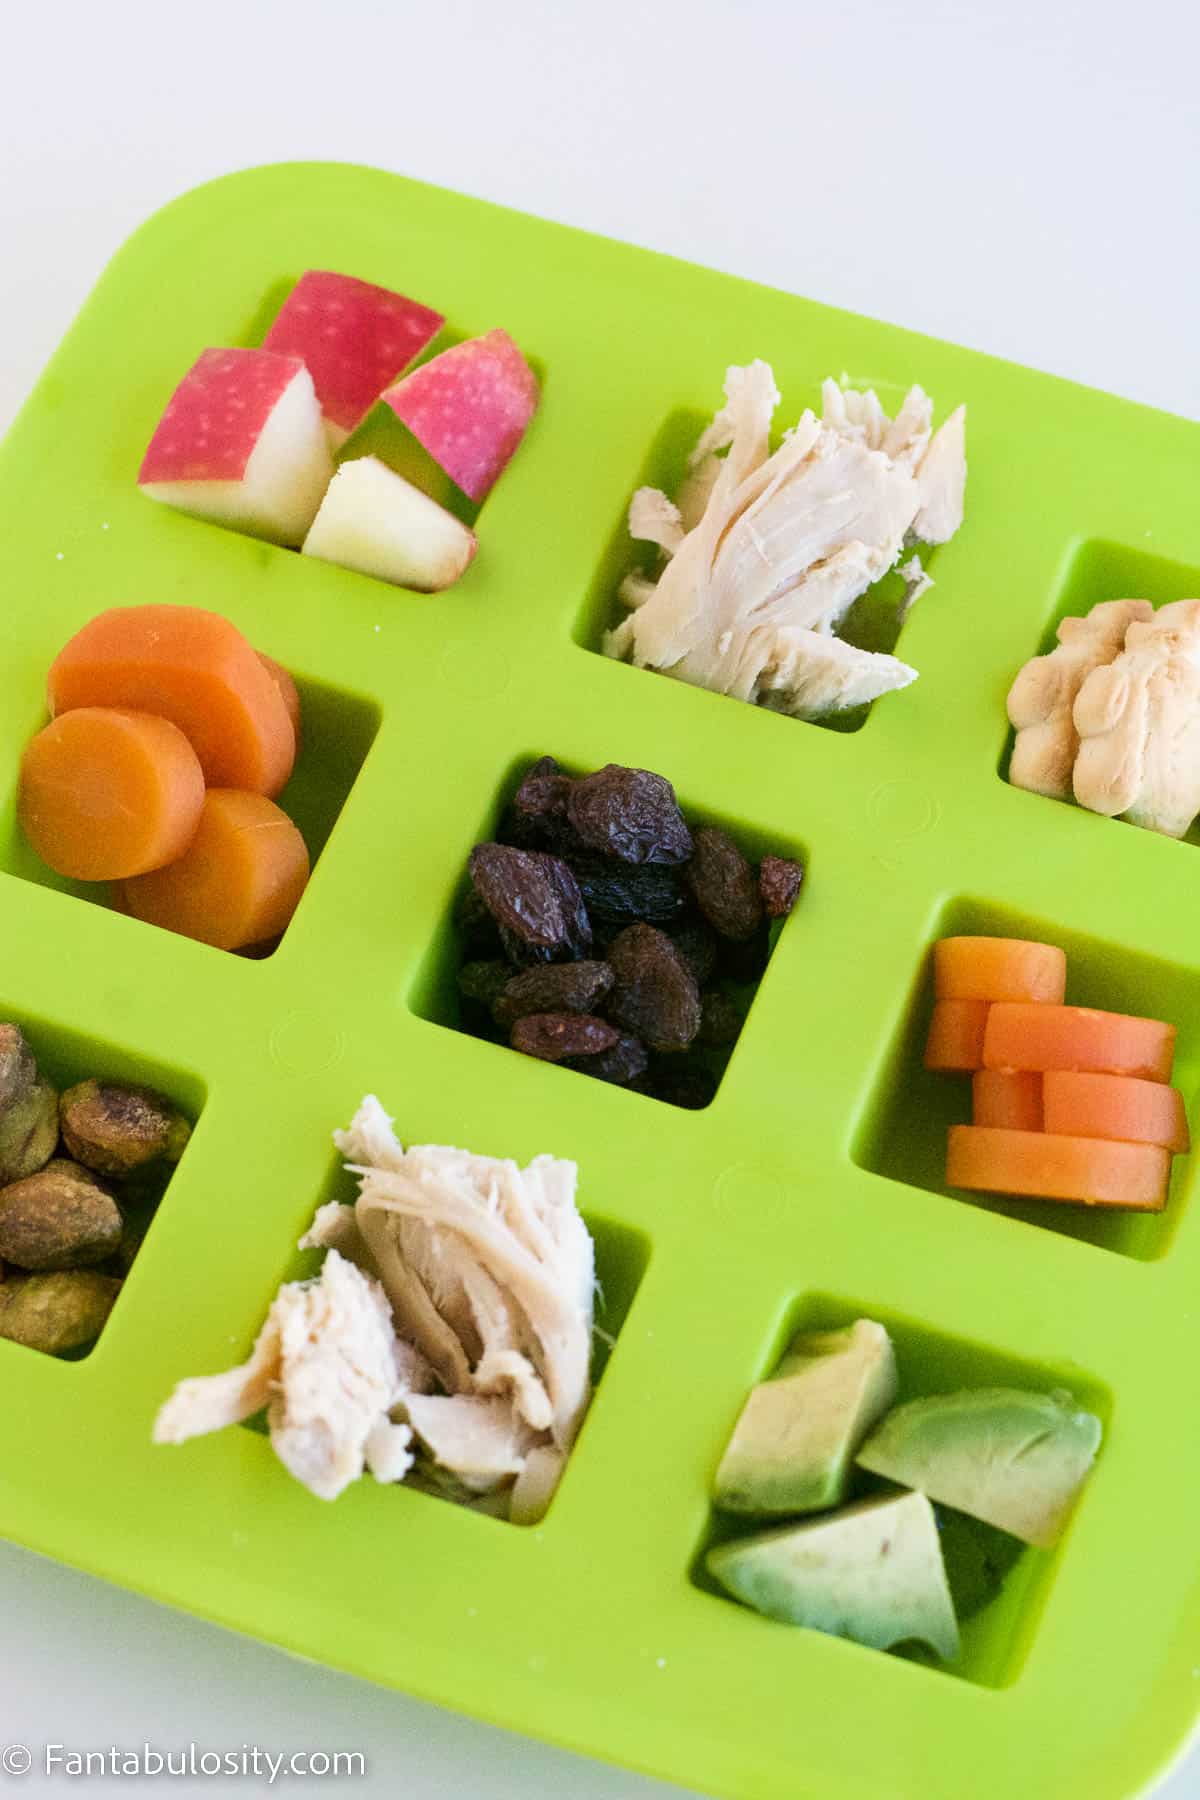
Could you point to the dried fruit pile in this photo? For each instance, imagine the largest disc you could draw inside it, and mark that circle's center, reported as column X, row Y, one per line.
column 73, row 1212
column 601, row 932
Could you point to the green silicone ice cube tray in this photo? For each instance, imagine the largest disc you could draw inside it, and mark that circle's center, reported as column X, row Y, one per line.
column 808, row 1192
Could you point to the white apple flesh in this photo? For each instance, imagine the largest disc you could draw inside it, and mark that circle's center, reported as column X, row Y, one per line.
column 242, row 444
column 374, row 521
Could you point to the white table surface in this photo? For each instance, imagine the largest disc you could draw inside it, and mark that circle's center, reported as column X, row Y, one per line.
column 1020, row 177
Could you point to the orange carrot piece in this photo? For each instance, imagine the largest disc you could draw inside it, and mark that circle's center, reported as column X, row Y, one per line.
column 955, row 1041
column 996, row 968
column 289, row 693
column 1008, row 1099
column 1039, row 1166
column 194, row 668
column 106, row 793
column 1078, row 1037
column 238, row 884
column 1115, row 1106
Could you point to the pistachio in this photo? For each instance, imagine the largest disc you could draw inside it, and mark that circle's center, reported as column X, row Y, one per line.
column 28, row 1109
column 60, row 1218
column 116, row 1128
column 56, row 1312
column 18, row 1070
column 133, row 1232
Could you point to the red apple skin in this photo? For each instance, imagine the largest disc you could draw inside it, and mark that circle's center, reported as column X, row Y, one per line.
column 354, row 337
column 469, row 408
column 216, row 416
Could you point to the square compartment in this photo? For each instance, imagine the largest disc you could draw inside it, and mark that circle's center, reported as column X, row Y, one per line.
column 1100, row 570
column 995, row 1640
column 622, row 1258
column 434, row 994
column 872, row 623
column 337, row 731
column 379, row 432
column 66, row 1057
column 903, row 1132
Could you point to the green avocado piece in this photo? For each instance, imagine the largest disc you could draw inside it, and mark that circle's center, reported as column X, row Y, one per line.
column 1012, row 1458
column 977, row 1559
column 793, row 1446
column 872, row 1572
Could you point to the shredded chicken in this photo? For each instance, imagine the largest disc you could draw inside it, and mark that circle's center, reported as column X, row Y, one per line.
column 335, row 1227
column 656, row 519
column 480, row 1442
column 324, row 1366
column 917, row 581
column 764, row 554
column 942, row 481
column 534, row 1487
column 455, row 1303
column 503, row 1221
column 1041, row 700
column 1138, row 721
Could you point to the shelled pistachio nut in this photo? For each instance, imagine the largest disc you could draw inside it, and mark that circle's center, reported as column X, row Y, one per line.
column 115, row 1128
column 28, row 1109
column 56, row 1312
column 61, row 1218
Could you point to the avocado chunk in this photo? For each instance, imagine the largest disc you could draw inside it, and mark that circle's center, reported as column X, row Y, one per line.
column 1012, row 1458
column 977, row 1559
column 872, row 1572
column 792, row 1449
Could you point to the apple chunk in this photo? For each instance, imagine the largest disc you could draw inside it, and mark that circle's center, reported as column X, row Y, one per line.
column 469, row 408
column 241, row 443
column 354, row 338
column 374, row 521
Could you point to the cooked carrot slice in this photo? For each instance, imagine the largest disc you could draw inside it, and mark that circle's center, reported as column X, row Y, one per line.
column 1009, row 1099
column 106, row 793
column 239, row 883
column 194, row 668
column 1114, row 1106
column 996, row 968
column 1039, row 1166
column 955, row 1041
column 289, row 693
column 1078, row 1037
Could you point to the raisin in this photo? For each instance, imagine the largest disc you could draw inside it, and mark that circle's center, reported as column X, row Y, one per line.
column 779, row 882
column 575, row 987
column 745, row 962
column 555, row 1036
column 624, row 891
column 543, row 793
column 537, row 831
column 483, row 981
column 655, row 996
column 630, row 814
column 624, row 1064
column 477, row 929
column 720, row 1018
column 698, row 948
column 682, row 1083
column 723, row 885
column 534, row 899
column 579, row 926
